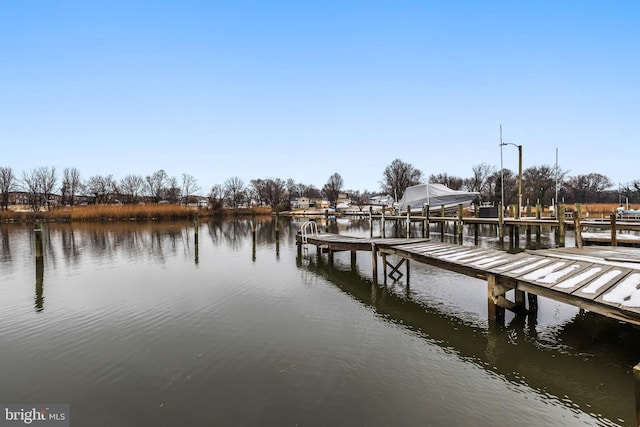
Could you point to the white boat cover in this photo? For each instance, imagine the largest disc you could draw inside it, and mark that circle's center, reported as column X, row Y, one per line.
column 436, row 196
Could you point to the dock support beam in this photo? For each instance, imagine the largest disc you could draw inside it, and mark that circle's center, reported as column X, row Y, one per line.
column 495, row 312
column 374, row 262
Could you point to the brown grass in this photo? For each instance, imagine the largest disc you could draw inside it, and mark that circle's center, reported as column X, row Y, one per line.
column 599, row 210
column 147, row 212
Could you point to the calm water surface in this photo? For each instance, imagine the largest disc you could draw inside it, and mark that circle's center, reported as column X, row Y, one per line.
column 137, row 325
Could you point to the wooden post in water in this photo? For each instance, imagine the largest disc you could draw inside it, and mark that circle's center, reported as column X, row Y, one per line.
column 408, row 270
column 614, row 234
column 538, row 227
column 495, row 312
column 277, row 223
column 370, row 221
column 576, row 220
column 528, row 232
column 374, row 262
column 501, row 222
column 476, row 226
column 459, row 225
column 39, row 303
column 38, row 235
column 196, row 227
column 408, row 222
column 561, row 225
column 636, row 381
column 428, row 236
column 382, row 223
column 326, row 220
column 442, row 224
column 424, row 221
column 253, row 225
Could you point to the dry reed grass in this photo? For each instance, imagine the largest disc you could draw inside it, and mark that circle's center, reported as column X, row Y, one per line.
column 138, row 212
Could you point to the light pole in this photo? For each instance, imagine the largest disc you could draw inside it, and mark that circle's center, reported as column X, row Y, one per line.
column 519, row 173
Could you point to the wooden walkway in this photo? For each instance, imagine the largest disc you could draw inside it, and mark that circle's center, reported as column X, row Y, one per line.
column 603, row 280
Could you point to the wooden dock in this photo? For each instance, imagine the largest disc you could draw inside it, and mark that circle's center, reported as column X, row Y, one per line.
column 603, row 280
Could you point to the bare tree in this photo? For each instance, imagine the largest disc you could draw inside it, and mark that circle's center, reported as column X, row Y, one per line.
column 70, row 185
column 156, row 184
column 31, row 185
column 189, row 187
column 453, row 182
column 216, row 197
column 39, row 184
column 332, row 188
column 398, row 176
column 101, row 187
column 479, row 181
column 537, row 182
column 173, row 191
column 235, row 191
column 131, row 188
column 7, row 185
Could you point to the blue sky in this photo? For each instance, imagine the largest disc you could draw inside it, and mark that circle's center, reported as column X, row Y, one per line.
column 303, row 89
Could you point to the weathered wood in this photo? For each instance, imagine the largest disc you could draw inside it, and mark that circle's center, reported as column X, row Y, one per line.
column 561, row 225
column 374, row 262
column 476, row 226
column 577, row 217
column 371, row 221
column 500, row 222
column 614, row 234
column 428, row 222
column 494, row 311
column 442, row 224
column 459, row 224
column 383, row 222
column 408, row 222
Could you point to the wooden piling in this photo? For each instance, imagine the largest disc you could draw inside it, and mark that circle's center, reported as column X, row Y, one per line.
column 382, row 223
column 538, row 227
column 39, row 252
column 374, row 262
column 578, row 226
column 494, row 311
column 442, row 224
column 459, row 225
column 476, row 226
column 38, row 235
column 428, row 235
column 561, row 225
column 196, row 227
column 424, row 221
column 501, row 222
column 614, row 234
column 408, row 270
column 408, row 226
column 277, row 224
column 370, row 221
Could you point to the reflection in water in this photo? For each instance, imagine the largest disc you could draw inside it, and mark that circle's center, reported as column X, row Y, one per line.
column 139, row 279
column 39, row 303
column 552, row 361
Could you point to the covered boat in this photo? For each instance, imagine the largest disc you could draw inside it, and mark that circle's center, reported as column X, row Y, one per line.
column 436, row 196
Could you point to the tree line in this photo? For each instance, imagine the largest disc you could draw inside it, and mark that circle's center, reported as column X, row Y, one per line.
column 539, row 186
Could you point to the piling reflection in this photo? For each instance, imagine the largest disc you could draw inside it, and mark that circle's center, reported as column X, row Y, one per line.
column 552, row 361
column 39, row 255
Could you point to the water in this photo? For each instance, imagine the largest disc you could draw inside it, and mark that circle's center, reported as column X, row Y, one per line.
column 136, row 325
